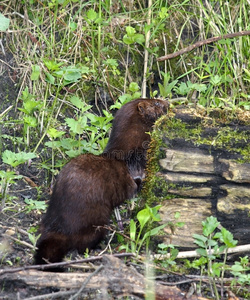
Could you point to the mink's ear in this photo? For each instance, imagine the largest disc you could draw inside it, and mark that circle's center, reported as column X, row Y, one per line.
column 141, row 107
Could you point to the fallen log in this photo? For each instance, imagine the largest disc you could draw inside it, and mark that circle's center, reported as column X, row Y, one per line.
column 114, row 276
column 201, row 168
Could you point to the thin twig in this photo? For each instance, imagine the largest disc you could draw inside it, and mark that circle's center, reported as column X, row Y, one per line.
column 204, row 42
column 61, row 264
column 108, row 245
column 19, row 241
column 5, row 111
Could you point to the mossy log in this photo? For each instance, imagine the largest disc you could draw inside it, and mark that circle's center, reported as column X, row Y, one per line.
column 199, row 165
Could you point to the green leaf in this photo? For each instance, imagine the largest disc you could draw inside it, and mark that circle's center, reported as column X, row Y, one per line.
column 154, row 212
column 132, row 229
column 211, row 243
column 132, row 37
column 49, row 78
column 134, row 87
column 53, row 144
column 54, row 133
column 4, row 22
column 30, row 121
column 15, row 159
column 72, row 153
column 163, row 13
column 200, row 237
column 202, row 252
column 52, row 65
column 91, row 14
column 209, row 225
column 143, row 217
column 9, row 176
column 155, row 230
column 227, row 238
column 215, row 80
column 73, row 26
column 35, row 72
column 128, row 40
column 130, row 31
column 237, row 268
column 34, row 204
column 139, row 38
column 68, row 143
column 77, row 126
column 177, row 215
column 79, row 103
column 216, row 268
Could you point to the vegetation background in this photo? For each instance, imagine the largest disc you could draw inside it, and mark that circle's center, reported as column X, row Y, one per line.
column 67, row 65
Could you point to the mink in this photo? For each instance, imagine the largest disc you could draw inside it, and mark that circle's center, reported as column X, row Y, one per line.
column 89, row 187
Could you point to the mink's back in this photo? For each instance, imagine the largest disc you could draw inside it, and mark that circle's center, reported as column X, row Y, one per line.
column 86, row 191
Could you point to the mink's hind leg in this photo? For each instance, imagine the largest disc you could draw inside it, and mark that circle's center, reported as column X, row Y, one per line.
column 51, row 248
column 89, row 239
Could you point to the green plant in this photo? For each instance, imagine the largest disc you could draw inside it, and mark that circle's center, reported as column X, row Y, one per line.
column 30, row 105
column 167, row 86
column 32, row 236
column 7, row 178
column 240, row 269
column 34, row 205
column 211, row 245
column 14, row 159
column 134, row 93
column 132, row 37
column 141, row 232
column 168, row 249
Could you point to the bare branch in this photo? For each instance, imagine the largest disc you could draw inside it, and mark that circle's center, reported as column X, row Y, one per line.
column 201, row 43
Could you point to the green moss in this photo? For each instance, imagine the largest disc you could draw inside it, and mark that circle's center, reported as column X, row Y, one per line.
column 218, row 135
column 155, row 186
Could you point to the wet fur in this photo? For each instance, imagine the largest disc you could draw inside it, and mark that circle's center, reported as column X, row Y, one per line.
column 89, row 187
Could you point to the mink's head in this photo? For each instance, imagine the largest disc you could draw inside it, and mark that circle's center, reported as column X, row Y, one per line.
column 151, row 109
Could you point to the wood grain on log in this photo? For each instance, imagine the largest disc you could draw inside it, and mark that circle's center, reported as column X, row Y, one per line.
column 205, row 162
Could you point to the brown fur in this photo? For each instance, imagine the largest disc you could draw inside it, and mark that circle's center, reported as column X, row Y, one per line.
column 89, row 187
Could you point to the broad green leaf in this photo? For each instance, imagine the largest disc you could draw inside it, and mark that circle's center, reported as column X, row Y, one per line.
column 30, row 121
column 4, row 22
column 35, row 72
column 15, row 159
column 202, row 252
column 200, row 237
column 134, row 87
column 237, row 268
column 49, row 78
column 130, row 31
column 91, row 14
column 54, row 133
column 143, row 217
column 209, row 225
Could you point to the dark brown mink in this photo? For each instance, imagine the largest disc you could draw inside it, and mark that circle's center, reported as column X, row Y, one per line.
column 89, row 187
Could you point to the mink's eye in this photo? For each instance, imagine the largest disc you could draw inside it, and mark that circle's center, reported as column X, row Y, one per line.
column 157, row 103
